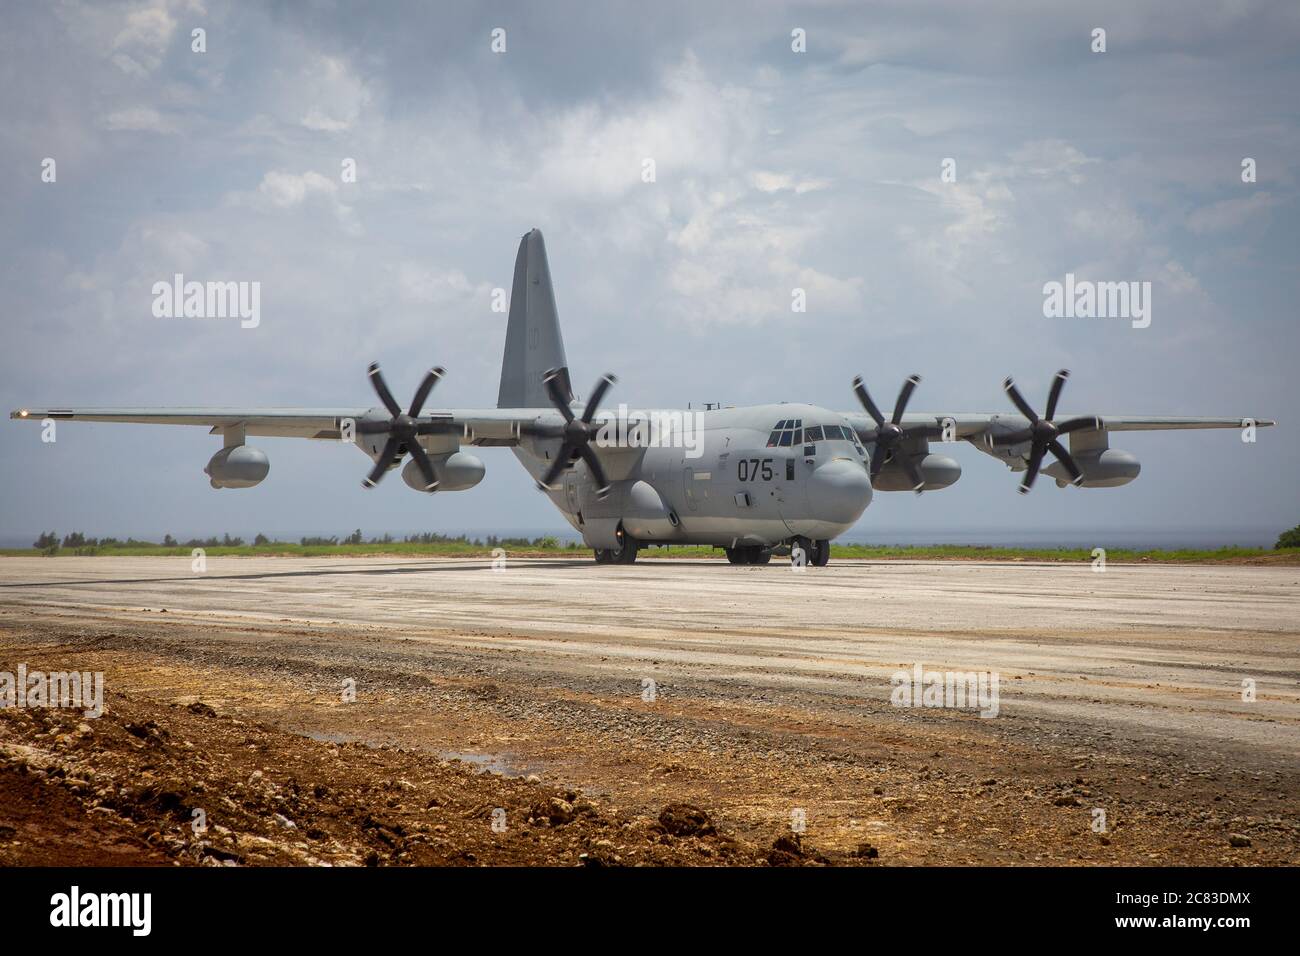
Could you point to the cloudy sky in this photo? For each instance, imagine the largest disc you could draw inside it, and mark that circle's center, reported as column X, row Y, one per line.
column 775, row 170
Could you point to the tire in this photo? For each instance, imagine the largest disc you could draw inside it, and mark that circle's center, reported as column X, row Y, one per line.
column 736, row 555
column 806, row 546
column 602, row 556
column 624, row 555
column 821, row 553
column 760, row 556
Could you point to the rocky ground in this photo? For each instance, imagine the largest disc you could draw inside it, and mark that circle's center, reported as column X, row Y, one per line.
column 753, row 748
column 157, row 784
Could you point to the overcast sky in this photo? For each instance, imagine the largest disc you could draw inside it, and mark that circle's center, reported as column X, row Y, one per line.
column 774, row 170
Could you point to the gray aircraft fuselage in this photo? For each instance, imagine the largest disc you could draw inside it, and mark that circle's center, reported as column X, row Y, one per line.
column 730, row 485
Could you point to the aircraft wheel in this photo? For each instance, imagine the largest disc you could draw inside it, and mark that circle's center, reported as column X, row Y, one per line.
column 624, row 555
column 602, row 556
column 737, row 555
column 804, row 545
column 760, row 556
column 821, row 553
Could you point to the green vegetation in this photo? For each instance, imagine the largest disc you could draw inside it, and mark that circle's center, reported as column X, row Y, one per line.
column 427, row 543
column 433, row 544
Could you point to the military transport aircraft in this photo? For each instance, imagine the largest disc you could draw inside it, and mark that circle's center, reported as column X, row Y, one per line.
column 764, row 479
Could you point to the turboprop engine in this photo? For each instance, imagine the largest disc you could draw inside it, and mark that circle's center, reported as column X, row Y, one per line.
column 239, row 466
column 456, row 472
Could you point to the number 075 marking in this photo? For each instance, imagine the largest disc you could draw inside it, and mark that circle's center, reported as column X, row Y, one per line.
column 752, row 469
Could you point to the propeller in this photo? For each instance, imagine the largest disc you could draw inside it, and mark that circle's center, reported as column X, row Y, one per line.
column 887, row 435
column 403, row 429
column 575, row 434
column 1043, row 433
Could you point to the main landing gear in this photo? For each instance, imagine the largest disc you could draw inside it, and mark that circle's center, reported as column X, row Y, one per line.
column 749, row 554
column 816, row 554
column 625, row 553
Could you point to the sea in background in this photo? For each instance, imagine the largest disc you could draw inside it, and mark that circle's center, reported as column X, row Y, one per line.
column 1135, row 538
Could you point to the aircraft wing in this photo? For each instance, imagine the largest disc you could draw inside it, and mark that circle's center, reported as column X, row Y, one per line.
column 282, row 422
column 973, row 425
column 1149, row 423
column 481, row 426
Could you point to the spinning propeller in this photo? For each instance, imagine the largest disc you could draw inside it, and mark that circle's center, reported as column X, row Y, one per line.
column 403, row 428
column 888, row 434
column 1044, row 433
column 575, row 434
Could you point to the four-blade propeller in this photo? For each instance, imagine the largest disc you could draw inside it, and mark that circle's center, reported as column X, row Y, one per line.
column 403, row 428
column 1043, row 433
column 575, row 434
column 888, row 434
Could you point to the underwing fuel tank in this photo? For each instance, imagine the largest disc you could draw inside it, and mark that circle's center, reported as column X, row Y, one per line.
column 455, row 472
column 1102, row 468
column 240, row 466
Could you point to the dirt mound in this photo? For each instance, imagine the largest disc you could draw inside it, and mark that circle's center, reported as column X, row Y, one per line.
column 152, row 783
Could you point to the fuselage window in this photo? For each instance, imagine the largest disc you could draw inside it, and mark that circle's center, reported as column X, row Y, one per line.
column 812, row 433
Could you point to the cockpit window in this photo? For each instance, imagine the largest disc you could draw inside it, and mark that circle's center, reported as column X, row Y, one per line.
column 790, row 432
column 785, row 433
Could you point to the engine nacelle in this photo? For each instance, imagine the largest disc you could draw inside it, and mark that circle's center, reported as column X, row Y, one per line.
column 239, row 466
column 1102, row 468
column 455, row 472
column 939, row 471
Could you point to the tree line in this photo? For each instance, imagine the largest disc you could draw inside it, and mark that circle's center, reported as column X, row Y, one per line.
column 49, row 542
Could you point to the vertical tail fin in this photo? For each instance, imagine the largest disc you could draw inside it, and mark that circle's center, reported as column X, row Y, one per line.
column 533, row 341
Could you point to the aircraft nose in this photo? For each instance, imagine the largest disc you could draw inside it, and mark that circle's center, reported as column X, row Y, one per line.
column 839, row 491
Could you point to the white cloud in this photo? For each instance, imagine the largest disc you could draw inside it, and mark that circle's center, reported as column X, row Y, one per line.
column 141, row 41
column 769, row 182
column 1229, row 214
column 338, row 96
column 418, row 284
column 692, row 128
column 137, row 119
column 284, row 189
column 1051, row 159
